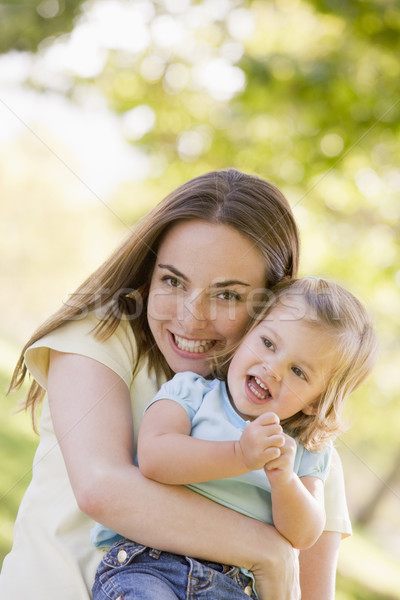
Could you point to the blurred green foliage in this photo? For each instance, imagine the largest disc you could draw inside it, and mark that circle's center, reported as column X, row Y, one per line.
column 25, row 23
column 302, row 92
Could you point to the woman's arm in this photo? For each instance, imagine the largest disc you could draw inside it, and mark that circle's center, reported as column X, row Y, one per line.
column 318, row 567
column 90, row 407
column 168, row 454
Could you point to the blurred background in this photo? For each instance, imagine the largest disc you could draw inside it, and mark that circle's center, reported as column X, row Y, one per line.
column 107, row 105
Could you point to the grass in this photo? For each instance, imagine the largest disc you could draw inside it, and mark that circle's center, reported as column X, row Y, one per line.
column 349, row 589
column 367, row 571
column 17, row 447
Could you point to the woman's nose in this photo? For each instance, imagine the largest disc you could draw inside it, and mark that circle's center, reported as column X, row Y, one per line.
column 194, row 312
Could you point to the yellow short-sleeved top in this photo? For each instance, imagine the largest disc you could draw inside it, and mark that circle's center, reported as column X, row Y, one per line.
column 52, row 556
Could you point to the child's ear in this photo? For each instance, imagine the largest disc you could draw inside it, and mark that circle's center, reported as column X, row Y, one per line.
column 310, row 409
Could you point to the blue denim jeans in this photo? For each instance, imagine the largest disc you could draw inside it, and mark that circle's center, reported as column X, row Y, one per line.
column 130, row 571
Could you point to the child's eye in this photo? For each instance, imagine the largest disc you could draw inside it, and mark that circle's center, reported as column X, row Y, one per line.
column 299, row 373
column 229, row 295
column 268, row 343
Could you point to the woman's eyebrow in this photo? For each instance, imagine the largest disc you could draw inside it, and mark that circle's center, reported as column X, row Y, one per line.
column 173, row 270
column 218, row 284
column 221, row 284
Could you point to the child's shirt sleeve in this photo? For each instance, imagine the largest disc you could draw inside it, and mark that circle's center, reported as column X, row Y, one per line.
column 187, row 389
column 313, row 463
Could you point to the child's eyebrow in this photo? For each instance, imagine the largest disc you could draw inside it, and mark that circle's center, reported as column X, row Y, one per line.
column 308, row 367
column 268, row 329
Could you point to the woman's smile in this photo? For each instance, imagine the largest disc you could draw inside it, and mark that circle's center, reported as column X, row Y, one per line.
column 193, row 346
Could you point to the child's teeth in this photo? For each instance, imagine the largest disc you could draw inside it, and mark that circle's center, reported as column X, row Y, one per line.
column 260, row 383
column 259, row 386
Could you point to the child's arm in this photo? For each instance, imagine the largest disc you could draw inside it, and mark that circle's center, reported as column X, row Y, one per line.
column 297, row 504
column 167, row 453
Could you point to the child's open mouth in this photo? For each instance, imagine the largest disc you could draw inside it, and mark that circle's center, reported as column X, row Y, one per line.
column 258, row 388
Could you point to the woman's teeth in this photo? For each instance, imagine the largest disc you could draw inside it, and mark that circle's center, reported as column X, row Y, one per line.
column 256, row 386
column 195, row 346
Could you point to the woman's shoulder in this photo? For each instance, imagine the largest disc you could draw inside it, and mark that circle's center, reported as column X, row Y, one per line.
column 78, row 336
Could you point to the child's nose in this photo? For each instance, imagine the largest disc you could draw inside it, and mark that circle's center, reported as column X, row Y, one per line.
column 273, row 371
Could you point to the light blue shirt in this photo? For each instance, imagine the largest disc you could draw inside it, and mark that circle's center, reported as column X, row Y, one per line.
column 213, row 418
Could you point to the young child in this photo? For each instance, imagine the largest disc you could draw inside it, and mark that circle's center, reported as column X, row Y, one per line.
column 256, row 439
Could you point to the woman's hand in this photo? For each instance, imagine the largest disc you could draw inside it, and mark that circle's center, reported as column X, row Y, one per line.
column 277, row 577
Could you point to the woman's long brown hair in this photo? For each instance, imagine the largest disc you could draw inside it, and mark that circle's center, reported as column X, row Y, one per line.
column 249, row 204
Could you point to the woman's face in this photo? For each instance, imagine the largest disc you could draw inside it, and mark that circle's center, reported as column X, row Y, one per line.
column 206, row 279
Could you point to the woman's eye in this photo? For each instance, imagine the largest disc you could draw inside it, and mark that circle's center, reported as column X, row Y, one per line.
column 229, row 295
column 298, row 372
column 268, row 343
column 172, row 281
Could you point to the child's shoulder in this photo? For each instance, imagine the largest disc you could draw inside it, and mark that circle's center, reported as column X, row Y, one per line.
column 189, row 378
column 315, row 463
column 188, row 389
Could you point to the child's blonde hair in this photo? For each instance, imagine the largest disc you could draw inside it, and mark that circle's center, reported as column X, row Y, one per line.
column 347, row 322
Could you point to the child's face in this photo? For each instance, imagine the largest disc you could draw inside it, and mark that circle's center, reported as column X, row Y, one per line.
column 282, row 365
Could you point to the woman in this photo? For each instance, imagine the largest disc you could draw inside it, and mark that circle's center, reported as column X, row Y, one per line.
column 184, row 282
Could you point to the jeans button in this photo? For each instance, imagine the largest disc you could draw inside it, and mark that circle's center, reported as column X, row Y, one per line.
column 121, row 556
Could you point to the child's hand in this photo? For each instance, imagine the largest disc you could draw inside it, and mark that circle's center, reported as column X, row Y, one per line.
column 280, row 470
column 260, row 441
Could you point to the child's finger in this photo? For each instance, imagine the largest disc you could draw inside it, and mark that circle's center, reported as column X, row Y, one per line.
column 268, row 418
column 271, row 455
column 276, row 463
column 276, row 440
